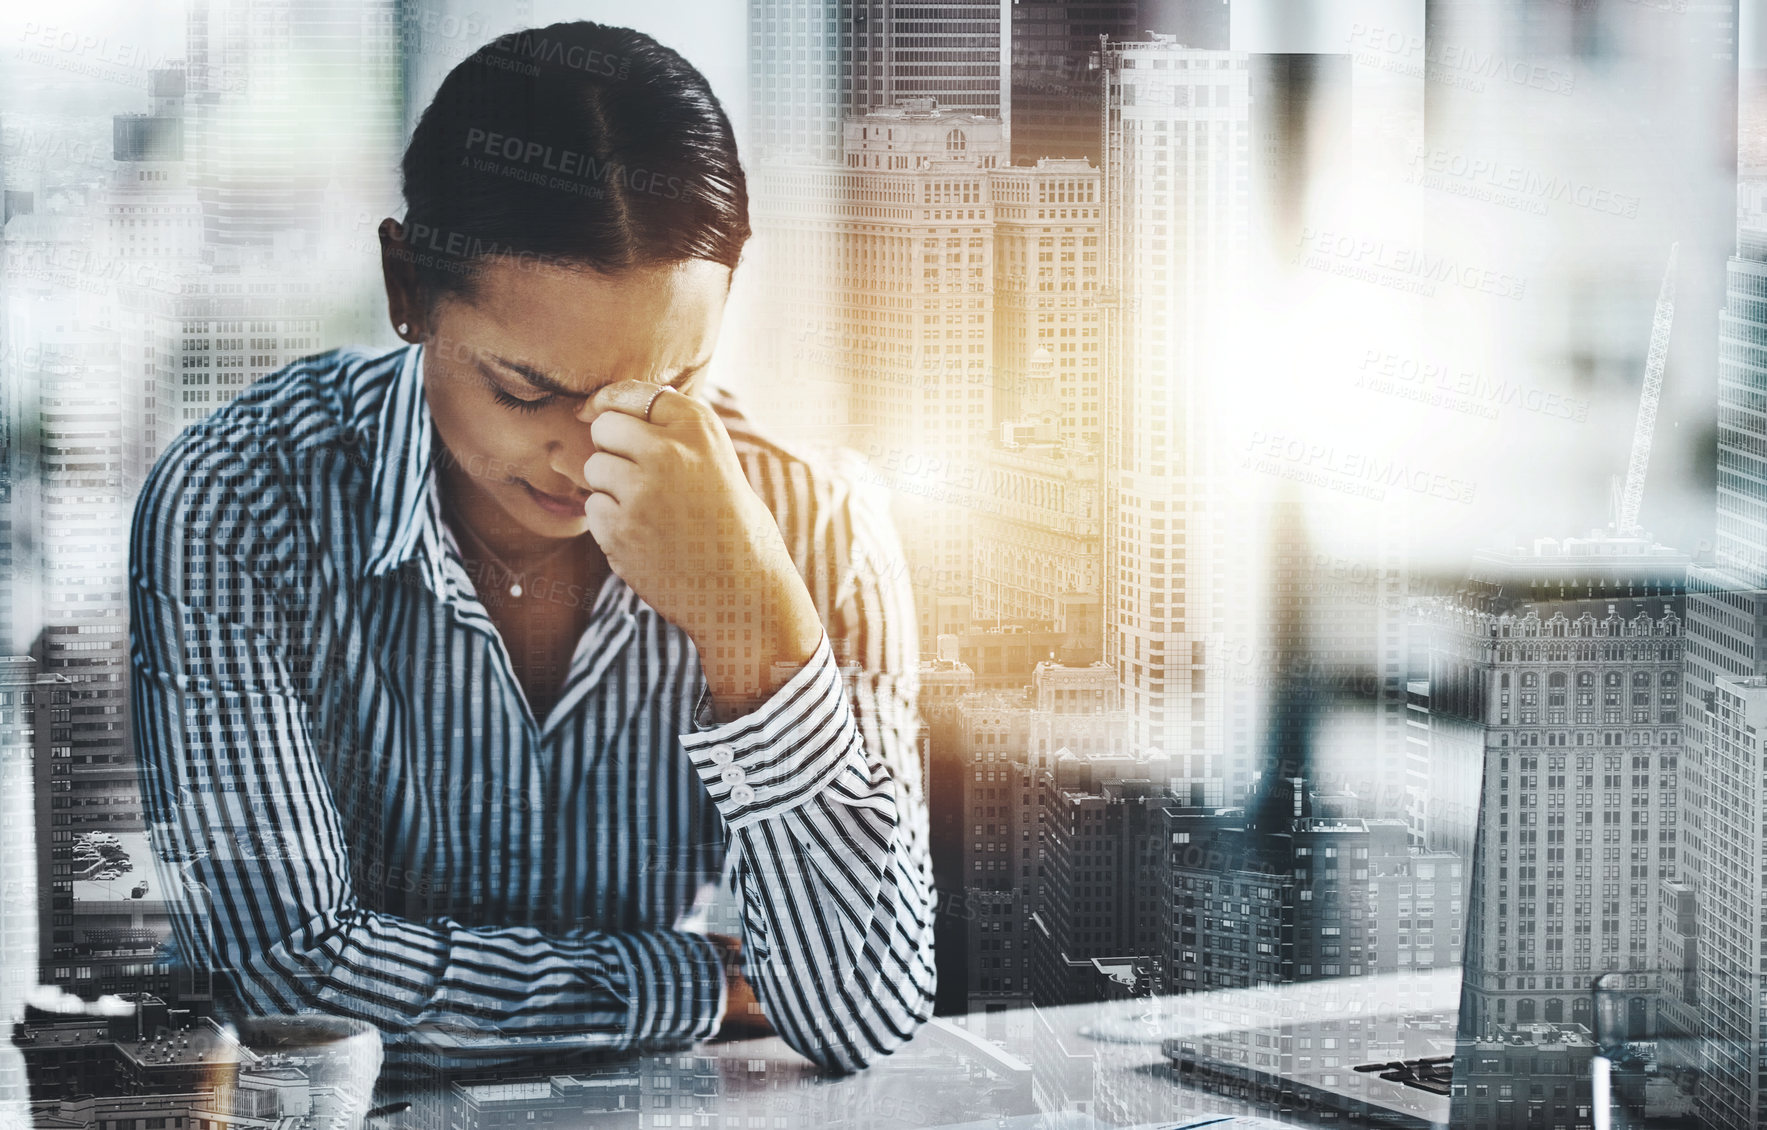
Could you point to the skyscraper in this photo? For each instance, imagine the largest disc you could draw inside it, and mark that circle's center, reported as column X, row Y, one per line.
column 196, row 336
column 1194, row 23
column 280, row 102
column 1055, row 94
column 1037, row 554
column 1047, row 266
column 96, row 934
column 813, row 65
column 25, row 753
column 1329, row 894
column 1177, row 130
column 1733, row 1085
column 1570, row 657
column 1335, row 664
column 918, row 280
column 1011, row 742
column 197, row 320
column 153, row 224
column 1727, row 625
column 1099, row 909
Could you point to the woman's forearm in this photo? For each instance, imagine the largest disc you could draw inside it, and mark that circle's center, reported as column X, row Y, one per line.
column 746, row 662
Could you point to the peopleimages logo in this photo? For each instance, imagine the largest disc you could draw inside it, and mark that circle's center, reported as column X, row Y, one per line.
column 430, row 246
column 1395, row 264
column 1461, row 390
column 576, row 56
column 1351, row 472
column 1532, row 185
column 584, row 167
column 1449, row 63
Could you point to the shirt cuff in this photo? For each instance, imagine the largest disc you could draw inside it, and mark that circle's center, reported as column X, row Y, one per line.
column 782, row 753
column 678, row 992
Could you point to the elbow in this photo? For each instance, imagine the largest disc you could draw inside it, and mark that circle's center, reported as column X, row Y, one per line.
column 890, row 1018
column 324, row 969
column 867, row 1045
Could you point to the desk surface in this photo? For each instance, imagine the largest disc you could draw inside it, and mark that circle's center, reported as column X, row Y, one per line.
column 1098, row 1064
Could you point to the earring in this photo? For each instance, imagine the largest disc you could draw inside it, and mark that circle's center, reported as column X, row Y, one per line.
column 404, row 328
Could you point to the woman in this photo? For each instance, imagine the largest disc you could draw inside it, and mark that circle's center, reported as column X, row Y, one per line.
column 463, row 674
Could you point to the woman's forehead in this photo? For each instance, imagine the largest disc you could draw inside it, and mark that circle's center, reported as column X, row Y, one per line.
column 584, row 328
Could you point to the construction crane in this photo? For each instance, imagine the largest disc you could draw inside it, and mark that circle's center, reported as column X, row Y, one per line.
column 1626, row 519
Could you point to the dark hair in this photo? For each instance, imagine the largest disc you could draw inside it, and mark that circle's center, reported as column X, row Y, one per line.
column 579, row 144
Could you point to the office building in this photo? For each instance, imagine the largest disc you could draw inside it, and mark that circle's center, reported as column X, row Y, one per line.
column 26, row 695
column 1727, row 593
column 1733, row 915
column 90, row 379
column 1333, row 895
column 1095, row 929
column 196, row 336
column 913, row 285
column 1570, row 657
column 1524, row 1075
column 1037, row 547
column 1444, row 759
column 1048, row 328
column 1726, row 625
column 885, row 265
column 1009, row 742
column 151, row 212
column 1037, row 556
column 1329, row 682
column 813, row 65
column 153, row 228
column 281, row 103
column 1176, row 202
column 944, row 681
column 1055, row 95
column 104, row 919
column 1002, row 862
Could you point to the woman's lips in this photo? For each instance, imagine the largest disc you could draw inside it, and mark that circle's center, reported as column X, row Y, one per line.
column 564, row 507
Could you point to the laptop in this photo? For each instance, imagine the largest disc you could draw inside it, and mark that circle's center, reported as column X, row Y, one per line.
column 1371, row 1051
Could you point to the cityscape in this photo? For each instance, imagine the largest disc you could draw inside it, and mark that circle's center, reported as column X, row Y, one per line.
column 1176, row 737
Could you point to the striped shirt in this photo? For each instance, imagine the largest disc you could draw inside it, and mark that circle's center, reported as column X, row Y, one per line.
column 358, row 813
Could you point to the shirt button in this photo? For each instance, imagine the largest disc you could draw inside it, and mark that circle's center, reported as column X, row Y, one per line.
column 722, row 755
column 742, row 794
column 733, row 774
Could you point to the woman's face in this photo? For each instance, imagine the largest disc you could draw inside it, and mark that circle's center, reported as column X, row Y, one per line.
column 509, row 372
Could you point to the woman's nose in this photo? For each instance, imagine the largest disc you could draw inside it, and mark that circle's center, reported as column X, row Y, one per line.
column 568, row 454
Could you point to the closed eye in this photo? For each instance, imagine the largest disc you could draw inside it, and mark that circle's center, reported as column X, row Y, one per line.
column 510, row 401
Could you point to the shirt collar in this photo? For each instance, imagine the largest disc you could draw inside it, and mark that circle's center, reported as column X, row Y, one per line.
column 403, row 484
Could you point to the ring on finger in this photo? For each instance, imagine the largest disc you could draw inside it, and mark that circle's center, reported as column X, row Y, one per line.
column 624, row 397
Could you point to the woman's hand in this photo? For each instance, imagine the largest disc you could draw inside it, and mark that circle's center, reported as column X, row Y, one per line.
column 678, row 521
column 743, row 1018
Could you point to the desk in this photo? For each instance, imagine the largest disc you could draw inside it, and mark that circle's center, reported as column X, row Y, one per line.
column 1102, row 1062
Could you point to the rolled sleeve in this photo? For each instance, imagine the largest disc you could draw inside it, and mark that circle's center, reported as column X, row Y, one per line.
column 785, row 751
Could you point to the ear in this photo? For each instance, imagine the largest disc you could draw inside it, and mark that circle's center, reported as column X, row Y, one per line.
column 400, row 275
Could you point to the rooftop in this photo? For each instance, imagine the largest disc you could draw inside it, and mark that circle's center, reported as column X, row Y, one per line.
column 188, row 1046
